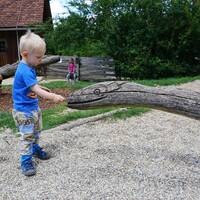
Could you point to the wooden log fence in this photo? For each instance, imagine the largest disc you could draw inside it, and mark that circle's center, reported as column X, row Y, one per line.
column 88, row 68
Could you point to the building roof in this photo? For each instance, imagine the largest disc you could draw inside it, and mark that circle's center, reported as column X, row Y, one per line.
column 20, row 13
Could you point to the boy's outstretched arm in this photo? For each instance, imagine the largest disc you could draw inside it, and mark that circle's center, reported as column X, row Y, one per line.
column 47, row 95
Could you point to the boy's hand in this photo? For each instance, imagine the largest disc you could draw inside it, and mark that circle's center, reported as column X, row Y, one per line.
column 58, row 98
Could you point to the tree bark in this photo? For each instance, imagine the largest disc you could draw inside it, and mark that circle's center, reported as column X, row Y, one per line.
column 125, row 94
column 8, row 70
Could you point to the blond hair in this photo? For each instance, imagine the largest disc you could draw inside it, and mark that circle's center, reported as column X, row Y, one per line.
column 30, row 42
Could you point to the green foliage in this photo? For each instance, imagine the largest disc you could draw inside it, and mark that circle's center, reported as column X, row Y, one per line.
column 72, row 36
column 156, row 39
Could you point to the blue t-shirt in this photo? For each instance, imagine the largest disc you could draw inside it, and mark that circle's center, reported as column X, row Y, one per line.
column 24, row 99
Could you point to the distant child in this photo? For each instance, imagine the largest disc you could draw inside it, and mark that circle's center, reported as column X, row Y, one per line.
column 71, row 75
column 26, row 112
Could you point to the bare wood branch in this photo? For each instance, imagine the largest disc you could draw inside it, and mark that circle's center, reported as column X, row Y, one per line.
column 50, row 60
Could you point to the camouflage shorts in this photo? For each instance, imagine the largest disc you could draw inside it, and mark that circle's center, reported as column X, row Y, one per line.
column 30, row 126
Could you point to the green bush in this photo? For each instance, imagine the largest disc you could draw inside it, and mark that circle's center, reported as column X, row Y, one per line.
column 153, row 68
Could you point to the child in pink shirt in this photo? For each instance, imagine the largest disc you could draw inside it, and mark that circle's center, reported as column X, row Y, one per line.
column 71, row 75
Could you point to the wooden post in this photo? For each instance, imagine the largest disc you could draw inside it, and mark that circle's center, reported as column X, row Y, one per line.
column 1, row 78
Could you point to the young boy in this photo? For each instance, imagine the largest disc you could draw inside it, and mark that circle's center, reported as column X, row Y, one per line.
column 26, row 112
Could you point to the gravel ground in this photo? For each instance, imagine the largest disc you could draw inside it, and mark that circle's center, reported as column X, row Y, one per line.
column 153, row 156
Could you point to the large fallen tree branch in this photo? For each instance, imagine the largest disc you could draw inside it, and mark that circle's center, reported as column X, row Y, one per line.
column 125, row 94
column 8, row 70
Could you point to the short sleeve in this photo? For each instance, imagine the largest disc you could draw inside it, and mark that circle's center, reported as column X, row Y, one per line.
column 29, row 77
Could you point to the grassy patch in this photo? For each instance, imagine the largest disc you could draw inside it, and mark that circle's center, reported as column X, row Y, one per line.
column 6, row 121
column 60, row 115
column 64, row 84
column 167, row 81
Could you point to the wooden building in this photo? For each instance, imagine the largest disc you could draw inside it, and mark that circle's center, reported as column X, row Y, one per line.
column 16, row 16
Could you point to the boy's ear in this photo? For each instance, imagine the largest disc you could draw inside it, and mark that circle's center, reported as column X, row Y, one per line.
column 24, row 53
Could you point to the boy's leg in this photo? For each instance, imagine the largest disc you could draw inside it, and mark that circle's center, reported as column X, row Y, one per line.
column 25, row 124
column 37, row 150
column 37, row 117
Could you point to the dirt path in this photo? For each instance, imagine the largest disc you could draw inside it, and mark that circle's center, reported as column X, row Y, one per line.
column 154, row 156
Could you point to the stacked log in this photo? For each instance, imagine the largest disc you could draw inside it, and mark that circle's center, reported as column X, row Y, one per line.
column 97, row 69
column 59, row 69
column 88, row 68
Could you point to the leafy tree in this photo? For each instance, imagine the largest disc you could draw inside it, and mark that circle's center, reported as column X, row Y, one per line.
column 151, row 39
